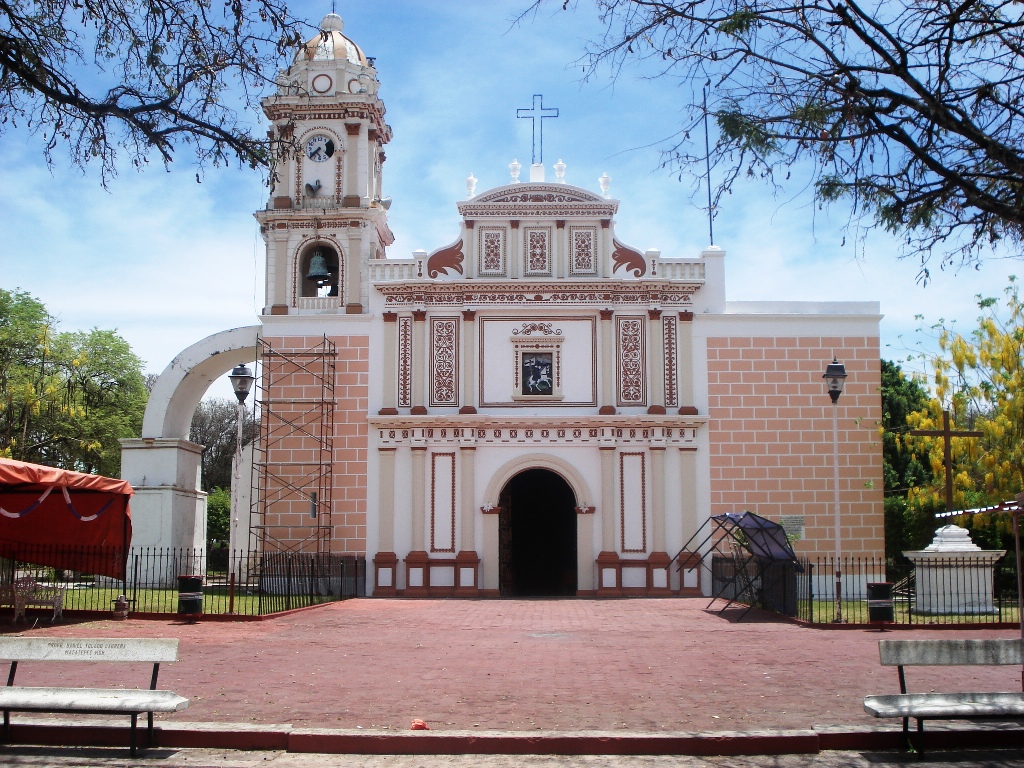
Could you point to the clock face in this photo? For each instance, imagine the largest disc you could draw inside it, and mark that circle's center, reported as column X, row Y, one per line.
column 320, row 148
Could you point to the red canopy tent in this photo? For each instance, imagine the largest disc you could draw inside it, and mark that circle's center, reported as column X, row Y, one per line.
column 64, row 519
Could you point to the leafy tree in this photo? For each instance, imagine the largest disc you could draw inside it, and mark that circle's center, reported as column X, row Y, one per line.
column 911, row 111
column 215, row 427
column 980, row 379
column 901, row 396
column 906, row 527
column 66, row 399
column 100, row 77
column 218, row 515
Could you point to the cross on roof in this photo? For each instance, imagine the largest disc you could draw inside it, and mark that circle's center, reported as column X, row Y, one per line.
column 536, row 113
column 947, row 452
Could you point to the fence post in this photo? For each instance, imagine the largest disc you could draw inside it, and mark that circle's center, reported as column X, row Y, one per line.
column 288, row 588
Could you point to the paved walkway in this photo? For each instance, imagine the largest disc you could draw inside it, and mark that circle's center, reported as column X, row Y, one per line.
column 519, row 665
column 203, row 758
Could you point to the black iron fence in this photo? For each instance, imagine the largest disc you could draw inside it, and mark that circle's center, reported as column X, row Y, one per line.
column 240, row 583
column 940, row 588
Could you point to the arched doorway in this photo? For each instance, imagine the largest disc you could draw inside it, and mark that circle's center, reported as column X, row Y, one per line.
column 537, row 536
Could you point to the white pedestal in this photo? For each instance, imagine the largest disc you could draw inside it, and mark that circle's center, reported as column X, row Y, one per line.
column 954, row 582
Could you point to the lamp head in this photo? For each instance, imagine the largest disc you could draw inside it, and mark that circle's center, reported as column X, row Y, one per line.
column 835, row 377
column 241, row 381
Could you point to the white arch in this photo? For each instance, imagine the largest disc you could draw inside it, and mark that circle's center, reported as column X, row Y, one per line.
column 560, row 467
column 186, row 378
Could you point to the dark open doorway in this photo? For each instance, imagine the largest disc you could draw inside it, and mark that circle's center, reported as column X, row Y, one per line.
column 537, row 536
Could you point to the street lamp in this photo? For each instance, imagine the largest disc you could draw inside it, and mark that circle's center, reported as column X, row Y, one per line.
column 241, row 382
column 835, row 377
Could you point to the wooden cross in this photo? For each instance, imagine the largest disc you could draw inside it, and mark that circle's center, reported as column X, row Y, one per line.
column 947, row 451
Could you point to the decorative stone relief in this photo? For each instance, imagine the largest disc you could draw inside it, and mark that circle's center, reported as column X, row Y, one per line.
column 537, row 247
column 669, row 331
column 630, row 332
column 404, row 362
column 444, row 344
column 583, row 250
column 492, row 251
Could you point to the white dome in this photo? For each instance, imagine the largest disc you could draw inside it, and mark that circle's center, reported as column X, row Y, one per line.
column 330, row 44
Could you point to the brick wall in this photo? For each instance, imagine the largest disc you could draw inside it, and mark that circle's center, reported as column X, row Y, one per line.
column 771, row 436
column 297, row 426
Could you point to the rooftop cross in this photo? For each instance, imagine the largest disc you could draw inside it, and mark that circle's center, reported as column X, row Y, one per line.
column 536, row 113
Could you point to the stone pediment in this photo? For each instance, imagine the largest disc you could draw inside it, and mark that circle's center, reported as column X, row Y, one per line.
column 538, row 199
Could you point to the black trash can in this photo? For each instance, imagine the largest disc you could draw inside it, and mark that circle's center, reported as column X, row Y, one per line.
column 190, row 595
column 880, row 602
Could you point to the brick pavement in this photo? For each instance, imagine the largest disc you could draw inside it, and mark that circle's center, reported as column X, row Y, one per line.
column 518, row 665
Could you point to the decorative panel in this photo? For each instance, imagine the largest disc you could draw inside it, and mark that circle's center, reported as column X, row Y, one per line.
column 582, row 250
column 444, row 361
column 442, row 502
column 404, row 362
column 633, row 502
column 491, row 251
column 629, row 332
column 536, row 252
column 669, row 331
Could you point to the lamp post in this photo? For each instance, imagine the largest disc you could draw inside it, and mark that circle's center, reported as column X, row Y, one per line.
column 241, row 382
column 835, row 377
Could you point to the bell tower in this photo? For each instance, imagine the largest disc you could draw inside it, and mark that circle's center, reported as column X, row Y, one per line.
column 326, row 217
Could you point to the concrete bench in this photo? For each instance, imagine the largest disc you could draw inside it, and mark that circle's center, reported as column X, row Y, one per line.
column 89, row 701
column 26, row 591
column 946, row 706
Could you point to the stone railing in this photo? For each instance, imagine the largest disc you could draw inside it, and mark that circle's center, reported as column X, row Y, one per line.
column 680, row 270
column 393, row 270
column 319, row 303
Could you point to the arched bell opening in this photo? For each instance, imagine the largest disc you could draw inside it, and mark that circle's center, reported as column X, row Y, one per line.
column 319, row 273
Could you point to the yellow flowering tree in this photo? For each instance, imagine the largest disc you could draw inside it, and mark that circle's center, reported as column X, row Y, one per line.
column 979, row 378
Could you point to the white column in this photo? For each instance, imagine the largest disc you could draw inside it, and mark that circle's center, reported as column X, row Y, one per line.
column 515, row 256
column 386, row 503
column 468, row 364
column 684, row 354
column 606, row 360
column 658, row 498
column 419, row 362
column 419, row 497
column 655, row 363
column 467, row 529
column 389, row 365
column 609, row 509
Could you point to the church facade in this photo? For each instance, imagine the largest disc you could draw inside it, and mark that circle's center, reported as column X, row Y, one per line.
column 535, row 408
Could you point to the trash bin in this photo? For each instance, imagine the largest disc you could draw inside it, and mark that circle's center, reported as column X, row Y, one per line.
column 880, row 602
column 190, row 595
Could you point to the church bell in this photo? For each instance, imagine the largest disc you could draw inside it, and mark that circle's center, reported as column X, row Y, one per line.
column 318, row 271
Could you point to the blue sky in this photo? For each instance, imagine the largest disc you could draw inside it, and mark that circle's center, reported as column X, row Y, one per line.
column 167, row 261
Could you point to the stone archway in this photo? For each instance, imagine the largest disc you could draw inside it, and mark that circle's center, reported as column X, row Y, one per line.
column 537, row 538
column 168, row 509
column 582, row 493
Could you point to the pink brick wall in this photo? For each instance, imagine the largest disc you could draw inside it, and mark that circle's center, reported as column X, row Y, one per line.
column 771, row 436
column 351, row 396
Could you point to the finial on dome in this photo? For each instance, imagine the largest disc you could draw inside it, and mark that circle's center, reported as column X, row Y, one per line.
column 560, row 171
column 332, row 22
column 471, row 181
column 605, row 181
column 514, row 168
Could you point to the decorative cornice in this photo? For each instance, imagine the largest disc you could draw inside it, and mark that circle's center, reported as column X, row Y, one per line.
column 527, row 294
column 586, row 431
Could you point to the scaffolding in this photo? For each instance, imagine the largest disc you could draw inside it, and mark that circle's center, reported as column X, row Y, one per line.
column 292, row 476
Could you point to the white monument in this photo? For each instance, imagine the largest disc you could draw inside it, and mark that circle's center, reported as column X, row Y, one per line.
column 953, row 574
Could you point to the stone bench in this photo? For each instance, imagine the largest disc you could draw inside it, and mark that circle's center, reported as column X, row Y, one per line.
column 26, row 591
column 89, row 701
column 946, row 706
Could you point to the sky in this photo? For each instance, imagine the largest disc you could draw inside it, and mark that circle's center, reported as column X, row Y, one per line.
column 166, row 261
